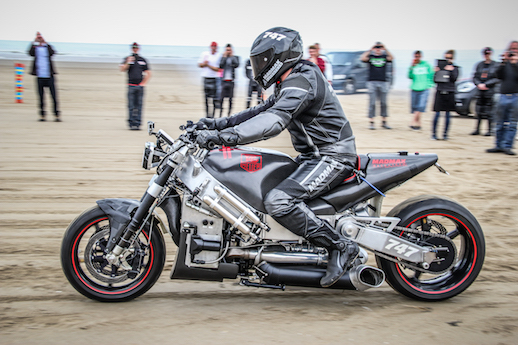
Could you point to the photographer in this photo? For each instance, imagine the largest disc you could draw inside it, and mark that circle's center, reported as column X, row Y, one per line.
column 507, row 111
column 378, row 57
column 43, row 69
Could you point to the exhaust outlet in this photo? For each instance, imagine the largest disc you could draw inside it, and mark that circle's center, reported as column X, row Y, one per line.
column 361, row 277
column 365, row 277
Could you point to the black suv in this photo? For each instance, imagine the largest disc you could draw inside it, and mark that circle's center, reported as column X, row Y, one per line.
column 349, row 72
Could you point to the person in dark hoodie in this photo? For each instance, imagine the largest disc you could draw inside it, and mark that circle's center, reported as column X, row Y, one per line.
column 486, row 81
column 43, row 69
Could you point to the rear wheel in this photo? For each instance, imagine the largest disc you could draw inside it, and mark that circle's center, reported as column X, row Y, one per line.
column 461, row 262
column 86, row 268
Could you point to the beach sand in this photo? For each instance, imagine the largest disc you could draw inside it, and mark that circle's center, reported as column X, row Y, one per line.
column 50, row 172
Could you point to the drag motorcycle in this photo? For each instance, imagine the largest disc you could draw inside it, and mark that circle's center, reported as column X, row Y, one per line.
column 428, row 247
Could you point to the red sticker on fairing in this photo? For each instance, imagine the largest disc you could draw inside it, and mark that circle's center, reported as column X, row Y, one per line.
column 251, row 163
column 388, row 163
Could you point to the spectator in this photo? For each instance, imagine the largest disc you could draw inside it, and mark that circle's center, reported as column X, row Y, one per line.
column 421, row 73
column 328, row 71
column 507, row 111
column 43, row 69
column 378, row 57
column 253, row 86
column 446, row 73
column 228, row 64
column 209, row 63
column 486, row 81
column 138, row 76
column 313, row 57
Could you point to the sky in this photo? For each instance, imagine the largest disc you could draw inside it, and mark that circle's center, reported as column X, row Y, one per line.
column 337, row 24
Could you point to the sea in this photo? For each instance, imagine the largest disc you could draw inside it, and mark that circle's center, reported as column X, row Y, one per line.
column 188, row 56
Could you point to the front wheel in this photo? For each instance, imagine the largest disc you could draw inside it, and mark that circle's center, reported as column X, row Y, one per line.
column 86, row 268
column 464, row 258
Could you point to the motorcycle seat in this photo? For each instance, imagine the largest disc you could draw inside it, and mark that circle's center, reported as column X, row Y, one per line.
column 361, row 164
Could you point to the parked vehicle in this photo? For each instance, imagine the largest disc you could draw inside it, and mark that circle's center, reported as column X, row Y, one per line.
column 465, row 97
column 427, row 247
column 349, row 72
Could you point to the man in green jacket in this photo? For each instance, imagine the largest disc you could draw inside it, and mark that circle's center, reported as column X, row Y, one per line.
column 421, row 73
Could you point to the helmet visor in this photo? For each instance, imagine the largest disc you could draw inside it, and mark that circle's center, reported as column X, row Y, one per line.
column 261, row 62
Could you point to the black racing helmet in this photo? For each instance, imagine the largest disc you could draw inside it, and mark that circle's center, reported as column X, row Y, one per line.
column 274, row 52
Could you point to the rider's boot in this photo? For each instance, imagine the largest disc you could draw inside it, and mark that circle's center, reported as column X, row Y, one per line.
column 342, row 252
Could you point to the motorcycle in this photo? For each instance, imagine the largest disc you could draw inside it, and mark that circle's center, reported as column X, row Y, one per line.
column 428, row 247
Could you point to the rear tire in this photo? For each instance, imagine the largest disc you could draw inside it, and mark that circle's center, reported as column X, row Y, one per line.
column 441, row 215
column 84, row 265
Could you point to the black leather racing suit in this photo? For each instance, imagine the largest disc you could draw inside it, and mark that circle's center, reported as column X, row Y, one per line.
column 306, row 105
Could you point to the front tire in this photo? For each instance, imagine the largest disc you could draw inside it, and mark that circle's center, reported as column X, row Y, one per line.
column 441, row 215
column 84, row 265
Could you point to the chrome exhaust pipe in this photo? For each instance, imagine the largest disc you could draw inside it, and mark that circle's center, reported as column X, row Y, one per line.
column 361, row 277
column 364, row 277
column 278, row 257
column 286, row 257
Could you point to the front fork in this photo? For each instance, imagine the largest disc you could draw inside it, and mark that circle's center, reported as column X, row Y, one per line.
column 116, row 247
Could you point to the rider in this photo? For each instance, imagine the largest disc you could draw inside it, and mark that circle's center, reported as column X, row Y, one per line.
column 305, row 104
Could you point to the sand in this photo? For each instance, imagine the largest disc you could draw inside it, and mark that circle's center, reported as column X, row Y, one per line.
column 50, row 172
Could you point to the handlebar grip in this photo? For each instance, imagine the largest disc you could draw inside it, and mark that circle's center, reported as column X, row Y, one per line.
column 211, row 145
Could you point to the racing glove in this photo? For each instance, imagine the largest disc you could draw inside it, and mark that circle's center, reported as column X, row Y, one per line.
column 209, row 138
column 211, row 123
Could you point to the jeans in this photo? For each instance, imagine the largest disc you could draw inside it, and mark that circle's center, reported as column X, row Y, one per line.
column 446, row 124
column 135, row 96
column 506, row 118
column 47, row 82
column 419, row 100
column 377, row 89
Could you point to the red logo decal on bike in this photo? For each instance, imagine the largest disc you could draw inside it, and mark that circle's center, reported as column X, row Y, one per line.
column 227, row 152
column 251, row 163
column 388, row 163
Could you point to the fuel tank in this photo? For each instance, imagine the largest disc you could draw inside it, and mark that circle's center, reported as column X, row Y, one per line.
column 249, row 172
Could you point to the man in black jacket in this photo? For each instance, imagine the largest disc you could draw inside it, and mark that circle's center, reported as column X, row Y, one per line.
column 507, row 111
column 228, row 64
column 43, row 69
column 486, row 81
column 304, row 103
